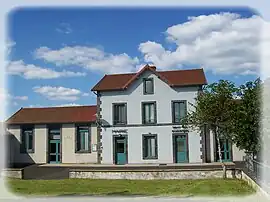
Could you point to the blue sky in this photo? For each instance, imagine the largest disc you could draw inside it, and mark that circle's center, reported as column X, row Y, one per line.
column 57, row 55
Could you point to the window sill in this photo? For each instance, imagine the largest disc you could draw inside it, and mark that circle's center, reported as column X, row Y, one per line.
column 119, row 124
column 150, row 158
column 83, row 152
column 149, row 124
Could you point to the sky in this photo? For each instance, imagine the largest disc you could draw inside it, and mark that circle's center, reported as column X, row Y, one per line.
column 55, row 56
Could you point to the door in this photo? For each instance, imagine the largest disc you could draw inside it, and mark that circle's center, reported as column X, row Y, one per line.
column 120, row 150
column 54, row 154
column 225, row 147
column 181, row 155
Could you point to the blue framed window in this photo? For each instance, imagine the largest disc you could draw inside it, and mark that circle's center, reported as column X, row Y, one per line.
column 27, row 139
column 83, row 139
column 119, row 113
column 148, row 86
column 150, row 146
column 179, row 110
column 149, row 113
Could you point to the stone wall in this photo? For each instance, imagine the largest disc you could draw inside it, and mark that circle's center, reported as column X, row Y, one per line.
column 12, row 173
column 151, row 175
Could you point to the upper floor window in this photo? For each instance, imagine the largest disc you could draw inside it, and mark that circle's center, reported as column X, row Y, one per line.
column 179, row 110
column 149, row 113
column 150, row 147
column 83, row 139
column 148, row 86
column 27, row 139
column 119, row 113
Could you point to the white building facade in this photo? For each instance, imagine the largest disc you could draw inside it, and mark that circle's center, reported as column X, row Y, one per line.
column 140, row 119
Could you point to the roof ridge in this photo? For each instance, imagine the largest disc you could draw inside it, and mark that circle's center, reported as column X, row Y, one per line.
column 121, row 74
column 191, row 76
column 59, row 107
column 67, row 114
column 181, row 70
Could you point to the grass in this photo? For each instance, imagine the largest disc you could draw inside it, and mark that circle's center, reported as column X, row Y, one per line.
column 67, row 187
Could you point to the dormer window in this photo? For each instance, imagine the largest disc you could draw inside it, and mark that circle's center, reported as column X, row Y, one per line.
column 148, row 86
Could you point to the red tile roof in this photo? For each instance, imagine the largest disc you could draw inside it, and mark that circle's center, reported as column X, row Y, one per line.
column 174, row 78
column 77, row 114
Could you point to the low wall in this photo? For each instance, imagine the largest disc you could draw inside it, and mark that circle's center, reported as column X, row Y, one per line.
column 263, row 188
column 151, row 175
column 12, row 173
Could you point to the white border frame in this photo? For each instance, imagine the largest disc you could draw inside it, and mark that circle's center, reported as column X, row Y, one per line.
column 6, row 6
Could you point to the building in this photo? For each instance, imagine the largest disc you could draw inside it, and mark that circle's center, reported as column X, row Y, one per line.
column 136, row 121
column 139, row 119
column 52, row 135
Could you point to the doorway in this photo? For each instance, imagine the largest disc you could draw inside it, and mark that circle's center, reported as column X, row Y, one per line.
column 180, row 148
column 120, row 150
column 54, row 146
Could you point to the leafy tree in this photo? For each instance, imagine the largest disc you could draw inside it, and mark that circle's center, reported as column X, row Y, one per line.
column 246, row 118
column 213, row 108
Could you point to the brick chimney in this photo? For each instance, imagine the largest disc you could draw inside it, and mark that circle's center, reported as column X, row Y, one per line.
column 153, row 67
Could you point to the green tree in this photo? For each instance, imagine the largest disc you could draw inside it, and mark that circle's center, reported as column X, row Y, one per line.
column 213, row 107
column 246, row 118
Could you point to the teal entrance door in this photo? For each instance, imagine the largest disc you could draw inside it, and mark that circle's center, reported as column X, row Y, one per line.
column 54, row 154
column 120, row 150
column 225, row 147
column 181, row 155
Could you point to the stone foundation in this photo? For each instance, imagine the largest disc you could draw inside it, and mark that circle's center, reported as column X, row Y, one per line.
column 152, row 175
column 12, row 173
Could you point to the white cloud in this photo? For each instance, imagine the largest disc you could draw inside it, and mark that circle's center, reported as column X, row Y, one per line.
column 64, row 28
column 9, row 45
column 222, row 43
column 58, row 93
column 199, row 26
column 6, row 98
column 85, row 94
column 68, row 105
column 22, row 98
column 61, row 105
column 30, row 71
column 156, row 54
column 89, row 58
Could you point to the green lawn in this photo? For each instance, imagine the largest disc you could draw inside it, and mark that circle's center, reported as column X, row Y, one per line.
column 211, row 187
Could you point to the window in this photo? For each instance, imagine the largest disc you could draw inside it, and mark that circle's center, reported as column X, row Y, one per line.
column 119, row 113
column 148, row 86
column 27, row 140
column 150, row 149
column 54, row 133
column 149, row 113
column 83, row 139
column 179, row 110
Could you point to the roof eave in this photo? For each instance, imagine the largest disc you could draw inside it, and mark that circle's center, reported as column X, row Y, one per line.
column 39, row 123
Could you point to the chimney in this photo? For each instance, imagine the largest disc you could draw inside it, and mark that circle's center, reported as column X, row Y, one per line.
column 153, row 67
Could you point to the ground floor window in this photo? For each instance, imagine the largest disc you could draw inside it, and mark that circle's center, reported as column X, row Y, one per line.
column 226, row 153
column 27, row 139
column 83, row 139
column 150, row 147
